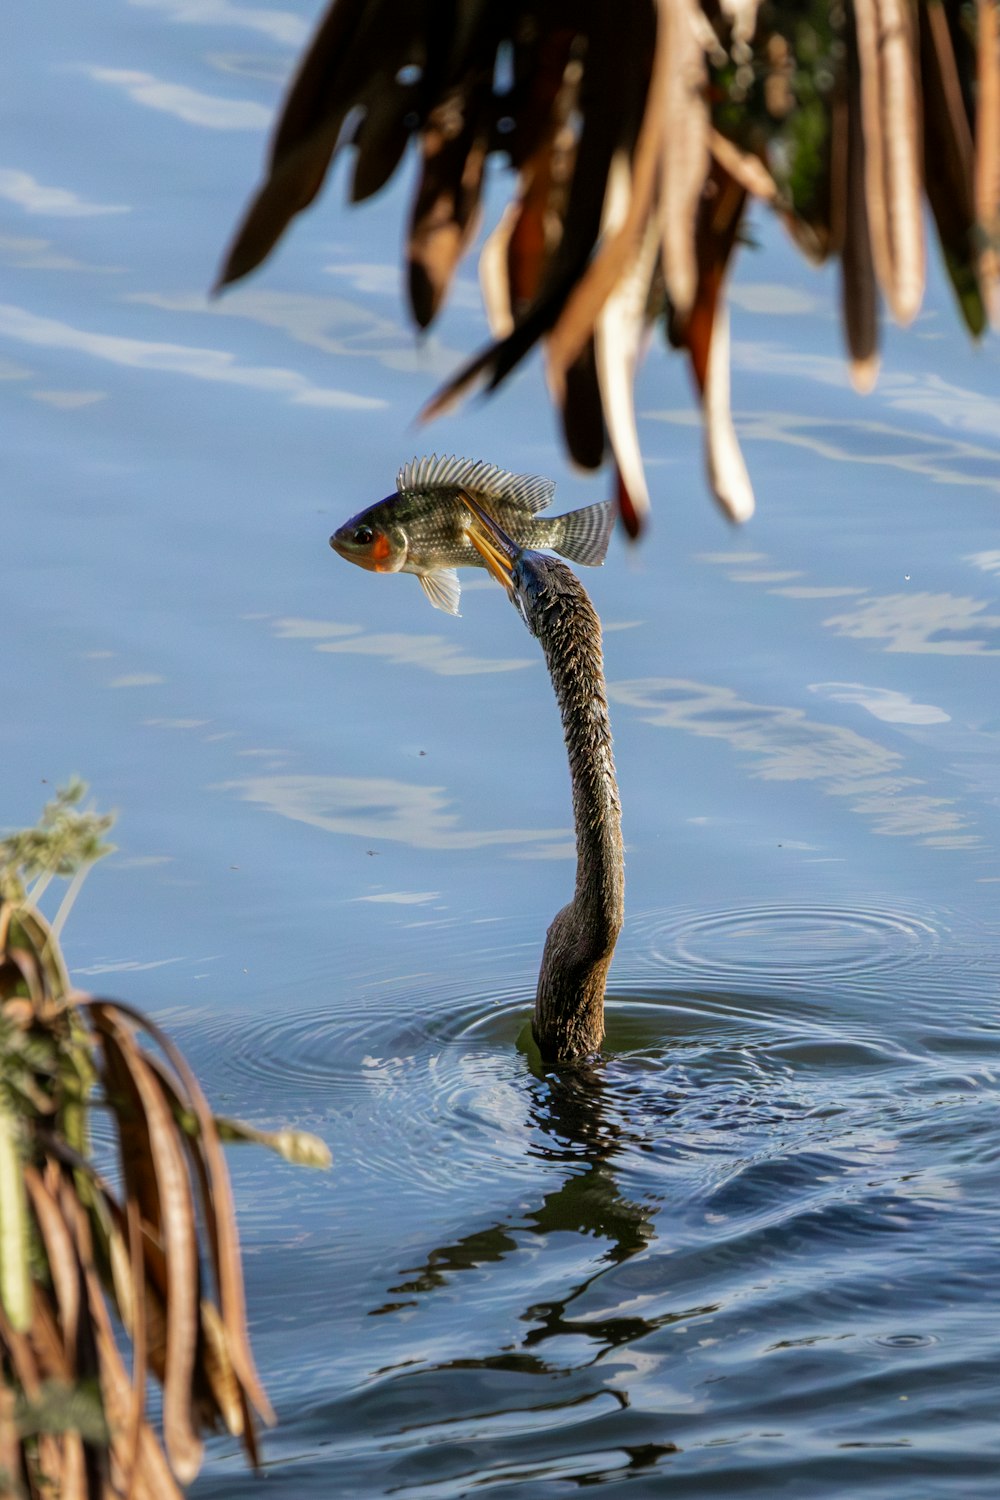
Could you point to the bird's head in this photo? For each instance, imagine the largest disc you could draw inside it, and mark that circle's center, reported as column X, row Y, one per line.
column 524, row 574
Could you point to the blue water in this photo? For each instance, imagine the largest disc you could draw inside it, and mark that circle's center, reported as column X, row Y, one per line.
column 754, row 1251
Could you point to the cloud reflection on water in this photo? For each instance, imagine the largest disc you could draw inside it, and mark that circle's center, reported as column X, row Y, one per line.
column 789, row 746
column 10, row 371
column 280, row 25
column 375, row 807
column 401, row 898
column 924, row 393
column 774, row 299
column 53, row 202
column 882, row 703
column 916, row 622
column 25, row 254
column 334, row 325
column 938, row 624
column 175, row 359
column 378, row 279
column 69, row 400
column 189, row 105
column 434, row 653
column 946, row 460
column 249, row 65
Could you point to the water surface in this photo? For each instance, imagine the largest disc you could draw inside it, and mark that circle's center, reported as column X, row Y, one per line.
column 754, row 1250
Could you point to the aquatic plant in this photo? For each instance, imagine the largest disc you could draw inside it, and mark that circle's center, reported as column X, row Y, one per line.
column 639, row 134
column 84, row 1261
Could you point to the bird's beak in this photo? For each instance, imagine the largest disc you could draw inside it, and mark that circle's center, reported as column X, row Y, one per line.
column 494, row 546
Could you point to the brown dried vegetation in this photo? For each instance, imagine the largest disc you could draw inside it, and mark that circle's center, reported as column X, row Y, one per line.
column 638, row 133
column 155, row 1255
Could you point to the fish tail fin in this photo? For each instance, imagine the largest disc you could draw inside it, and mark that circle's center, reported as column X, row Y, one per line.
column 583, row 535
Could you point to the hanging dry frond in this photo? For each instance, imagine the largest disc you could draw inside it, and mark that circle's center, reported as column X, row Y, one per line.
column 838, row 116
column 949, row 153
column 684, row 158
column 445, row 213
column 987, row 167
column 621, row 331
column 890, row 113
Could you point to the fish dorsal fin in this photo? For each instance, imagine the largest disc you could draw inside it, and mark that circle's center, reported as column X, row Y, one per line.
column 529, row 492
column 442, row 589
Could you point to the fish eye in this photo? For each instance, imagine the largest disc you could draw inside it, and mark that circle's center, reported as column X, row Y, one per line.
column 363, row 535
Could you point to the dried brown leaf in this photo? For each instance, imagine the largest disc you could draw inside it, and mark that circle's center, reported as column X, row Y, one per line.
column 219, row 1370
column 10, row 1447
column 75, row 1485
column 859, row 294
column 130, row 1120
column 494, row 280
column 578, row 317
column 891, row 117
column 685, row 154
column 180, row 1244
column 445, row 212
column 21, row 1355
column 749, row 171
column 60, row 1254
column 987, row 185
column 902, row 134
column 866, row 17
column 949, row 157
column 137, row 1273
column 619, row 336
column 229, row 1269
column 151, row 1478
column 582, row 413
column 46, row 1340
column 380, row 141
column 727, row 471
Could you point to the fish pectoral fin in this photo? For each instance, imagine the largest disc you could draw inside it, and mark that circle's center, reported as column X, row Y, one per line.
column 584, row 534
column 442, row 589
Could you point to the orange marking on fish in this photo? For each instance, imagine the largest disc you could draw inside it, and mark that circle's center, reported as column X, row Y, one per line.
column 380, row 552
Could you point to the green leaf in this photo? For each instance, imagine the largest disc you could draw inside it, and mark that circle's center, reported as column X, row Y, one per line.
column 63, row 842
column 15, row 1275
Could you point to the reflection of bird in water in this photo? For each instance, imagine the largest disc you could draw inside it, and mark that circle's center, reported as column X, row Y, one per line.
column 581, row 1129
column 569, row 1005
column 552, row 1359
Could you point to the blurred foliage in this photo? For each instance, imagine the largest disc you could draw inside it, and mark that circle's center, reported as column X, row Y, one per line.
column 84, row 1262
column 64, row 842
column 775, row 97
column 638, row 135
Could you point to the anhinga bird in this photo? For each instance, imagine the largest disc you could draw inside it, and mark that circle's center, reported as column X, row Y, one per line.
column 639, row 134
column 569, row 1003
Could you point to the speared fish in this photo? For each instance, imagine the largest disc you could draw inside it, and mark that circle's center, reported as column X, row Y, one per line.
column 423, row 527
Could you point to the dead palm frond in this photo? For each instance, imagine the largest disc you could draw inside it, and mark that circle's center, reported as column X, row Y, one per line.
column 639, row 133
column 82, row 1261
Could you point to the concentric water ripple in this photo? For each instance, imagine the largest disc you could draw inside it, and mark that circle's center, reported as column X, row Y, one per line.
column 407, row 1078
column 318, row 1050
column 781, row 945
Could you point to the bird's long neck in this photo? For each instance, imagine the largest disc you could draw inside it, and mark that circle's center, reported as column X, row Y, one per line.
column 569, row 1008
